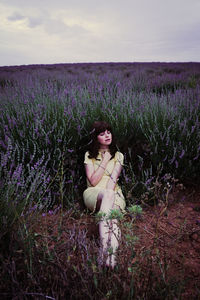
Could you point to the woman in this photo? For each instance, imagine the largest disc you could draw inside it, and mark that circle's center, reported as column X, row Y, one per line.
column 103, row 165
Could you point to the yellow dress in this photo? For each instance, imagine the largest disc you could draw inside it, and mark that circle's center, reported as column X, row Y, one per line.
column 91, row 193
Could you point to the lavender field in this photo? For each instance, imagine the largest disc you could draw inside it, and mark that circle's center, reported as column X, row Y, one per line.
column 45, row 115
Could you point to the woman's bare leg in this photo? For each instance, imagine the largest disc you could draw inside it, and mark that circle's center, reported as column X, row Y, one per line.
column 115, row 235
column 106, row 197
column 108, row 229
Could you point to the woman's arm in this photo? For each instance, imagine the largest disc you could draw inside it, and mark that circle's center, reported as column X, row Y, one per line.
column 95, row 176
column 114, row 176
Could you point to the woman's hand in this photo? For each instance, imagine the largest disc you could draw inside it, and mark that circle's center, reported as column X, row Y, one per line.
column 106, row 156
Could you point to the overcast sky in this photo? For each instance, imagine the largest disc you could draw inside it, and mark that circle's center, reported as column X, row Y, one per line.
column 67, row 31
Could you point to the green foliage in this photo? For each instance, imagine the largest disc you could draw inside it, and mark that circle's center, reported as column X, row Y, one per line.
column 115, row 214
column 135, row 209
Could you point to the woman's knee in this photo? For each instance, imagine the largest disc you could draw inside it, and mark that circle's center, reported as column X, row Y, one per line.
column 107, row 200
column 105, row 194
column 109, row 194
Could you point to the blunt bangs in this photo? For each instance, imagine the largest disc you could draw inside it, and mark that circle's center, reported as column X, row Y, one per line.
column 101, row 126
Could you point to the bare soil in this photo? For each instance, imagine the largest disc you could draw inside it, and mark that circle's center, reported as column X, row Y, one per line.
column 168, row 245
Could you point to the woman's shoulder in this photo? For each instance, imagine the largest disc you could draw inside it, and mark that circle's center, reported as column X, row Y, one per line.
column 119, row 157
column 118, row 153
column 87, row 160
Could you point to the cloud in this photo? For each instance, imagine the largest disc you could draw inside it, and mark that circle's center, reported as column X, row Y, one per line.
column 54, row 24
column 31, row 22
column 16, row 17
column 50, row 31
column 34, row 22
column 58, row 27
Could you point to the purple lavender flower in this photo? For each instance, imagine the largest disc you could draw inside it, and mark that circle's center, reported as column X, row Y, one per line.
column 70, row 150
column 182, row 154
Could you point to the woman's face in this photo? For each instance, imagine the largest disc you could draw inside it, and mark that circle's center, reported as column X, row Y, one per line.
column 105, row 138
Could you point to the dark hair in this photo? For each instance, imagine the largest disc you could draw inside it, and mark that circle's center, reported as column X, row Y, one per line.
column 97, row 128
